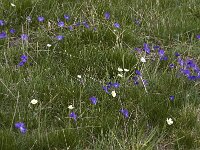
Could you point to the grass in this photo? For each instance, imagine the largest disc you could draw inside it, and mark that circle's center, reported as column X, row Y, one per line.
column 49, row 75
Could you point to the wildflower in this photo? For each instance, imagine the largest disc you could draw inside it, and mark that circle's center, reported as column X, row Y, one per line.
column 73, row 116
column 59, row 37
column 192, row 77
column 164, row 58
column 40, row 19
column 124, row 112
column 120, row 75
column 138, row 72
column 198, row 36
column 13, row 5
column 120, row 69
column 171, row 66
column 3, row 35
column 28, row 18
column 70, row 107
column 105, row 88
column 24, row 58
column 48, row 45
column 21, row 127
column 113, row 93
column 24, row 37
column 34, row 101
column 176, row 54
column 67, row 17
column 12, row 31
column 79, row 76
column 161, row 52
column 61, row 24
column 70, row 28
column 146, row 48
column 116, row 25
column 171, row 98
column 142, row 59
column 156, row 47
column 115, row 85
column 169, row 121
column 107, row 15
column 126, row 70
column 86, row 24
column 93, row 100
column 2, row 23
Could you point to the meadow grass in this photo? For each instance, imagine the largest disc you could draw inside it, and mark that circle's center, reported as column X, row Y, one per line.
column 95, row 49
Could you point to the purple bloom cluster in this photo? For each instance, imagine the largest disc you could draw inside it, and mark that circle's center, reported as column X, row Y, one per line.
column 189, row 68
column 93, row 100
column 109, row 86
column 124, row 112
column 73, row 116
column 21, row 126
column 23, row 60
column 3, row 35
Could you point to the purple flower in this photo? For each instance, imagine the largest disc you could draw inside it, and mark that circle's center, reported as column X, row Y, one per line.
column 181, row 62
column 124, row 112
column 146, row 48
column 138, row 72
column 67, row 17
column 156, row 47
column 40, row 19
column 161, row 52
column 93, row 100
column 116, row 25
column 198, row 36
column 86, row 24
column 107, row 15
column 73, row 116
column 12, row 31
column 2, row 23
column 135, row 78
column 164, row 58
column 20, row 64
column 24, row 37
column 172, row 98
column 21, row 127
column 192, row 77
column 61, row 24
column 171, row 66
column 77, row 24
column 59, row 37
column 185, row 72
column 3, row 35
column 115, row 85
column 70, row 28
column 176, row 54
column 105, row 88
column 24, row 58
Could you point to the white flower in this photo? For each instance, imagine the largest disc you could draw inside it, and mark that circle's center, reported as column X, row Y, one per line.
column 34, row 101
column 126, row 70
column 70, row 107
column 120, row 75
column 48, row 45
column 169, row 121
column 79, row 76
column 13, row 5
column 120, row 69
column 142, row 59
column 113, row 93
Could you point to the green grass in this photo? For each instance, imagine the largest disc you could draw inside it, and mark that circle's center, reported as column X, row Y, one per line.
column 50, row 75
